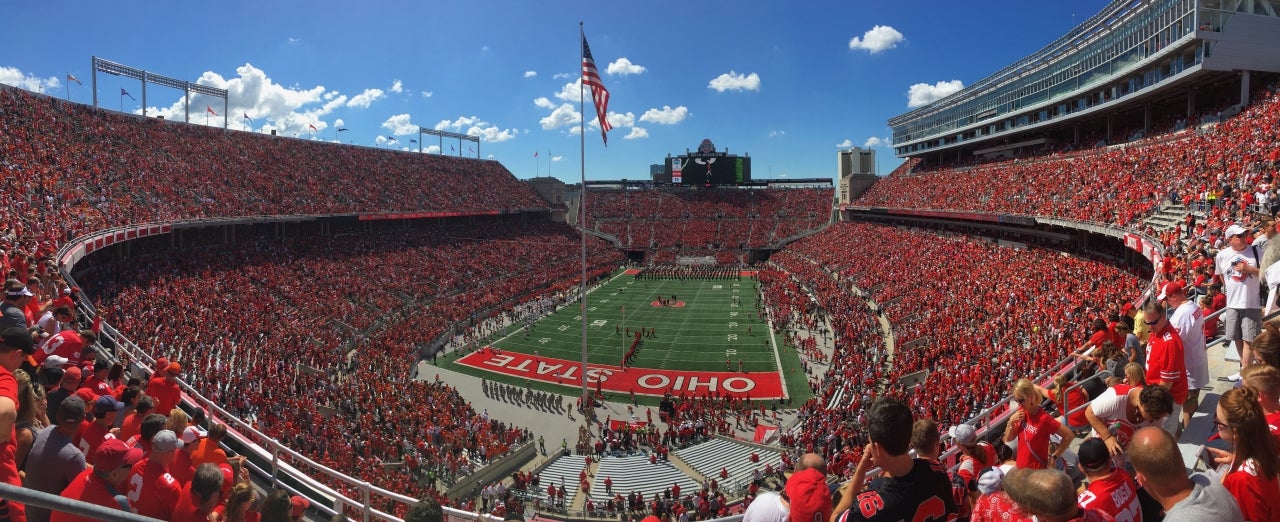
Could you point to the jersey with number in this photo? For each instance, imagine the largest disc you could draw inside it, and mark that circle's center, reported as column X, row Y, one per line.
column 1116, row 495
column 152, row 490
column 1255, row 494
column 922, row 495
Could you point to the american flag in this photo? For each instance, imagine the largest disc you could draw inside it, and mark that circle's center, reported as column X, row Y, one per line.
column 599, row 94
column 71, row 78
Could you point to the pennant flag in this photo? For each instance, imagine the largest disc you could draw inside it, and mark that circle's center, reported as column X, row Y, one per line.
column 246, row 116
column 313, row 127
column 413, row 141
column 451, row 149
column 209, row 110
column 126, row 93
column 343, row 129
column 71, row 78
column 472, row 149
column 535, row 153
column 391, row 138
column 599, row 94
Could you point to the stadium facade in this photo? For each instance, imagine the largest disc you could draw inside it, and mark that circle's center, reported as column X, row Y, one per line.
column 1109, row 77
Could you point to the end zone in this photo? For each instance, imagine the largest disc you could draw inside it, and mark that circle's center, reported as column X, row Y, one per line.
column 615, row 379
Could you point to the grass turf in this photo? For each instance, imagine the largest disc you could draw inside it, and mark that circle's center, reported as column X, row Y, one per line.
column 709, row 328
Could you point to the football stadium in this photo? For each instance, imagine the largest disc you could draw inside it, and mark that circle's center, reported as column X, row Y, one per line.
column 1060, row 305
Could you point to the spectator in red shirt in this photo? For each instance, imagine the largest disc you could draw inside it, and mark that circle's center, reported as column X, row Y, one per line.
column 1165, row 364
column 1254, row 462
column 200, row 496
column 164, row 389
column 1031, row 426
column 94, row 433
column 15, row 345
column 152, row 489
column 133, row 422
column 103, row 483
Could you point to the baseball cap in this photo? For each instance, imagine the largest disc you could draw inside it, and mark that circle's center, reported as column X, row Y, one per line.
column 1172, row 288
column 299, row 504
column 72, row 374
column 191, row 435
column 809, row 495
column 55, row 361
column 165, row 440
column 18, row 337
column 24, row 292
column 991, row 481
column 114, row 453
column 963, row 434
column 106, row 404
column 1093, row 454
column 71, row 409
column 173, row 368
column 1234, row 230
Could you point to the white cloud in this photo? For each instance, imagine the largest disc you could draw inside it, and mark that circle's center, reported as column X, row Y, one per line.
column 775, row 133
column 400, row 125
column 636, row 133
column 427, row 94
column 295, row 41
column 12, row 76
column 922, row 94
column 563, row 116
column 876, row 141
column 544, row 103
column 397, row 86
column 623, row 66
column 366, row 98
column 561, row 76
column 476, row 127
column 844, row 144
column 531, row 74
column 338, row 122
column 571, row 91
column 484, row 48
column 621, row 120
column 557, row 158
column 284, row 109
column 877, row 39
column 431, row 149
column 732, row 81
column 666, row 115
column 380, row 140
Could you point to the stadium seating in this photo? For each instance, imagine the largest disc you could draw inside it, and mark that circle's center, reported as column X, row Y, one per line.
column 710, row 457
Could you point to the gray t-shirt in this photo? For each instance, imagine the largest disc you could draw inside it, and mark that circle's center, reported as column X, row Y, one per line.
column 53, row 462
column 1208, row 502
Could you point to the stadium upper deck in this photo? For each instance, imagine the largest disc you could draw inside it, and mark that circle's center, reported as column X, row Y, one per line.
column 1112, row 71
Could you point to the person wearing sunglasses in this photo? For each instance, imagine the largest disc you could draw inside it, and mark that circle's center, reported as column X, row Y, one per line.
column 1031, row 426
column 1166, row 365
column 1250, row 470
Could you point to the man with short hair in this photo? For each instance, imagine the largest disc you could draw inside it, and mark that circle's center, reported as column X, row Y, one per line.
column 1188, row 319
column 54, row 461
column 16, row 298
column 209, row 450
column 1109, row 489
column 1239, row 267
column 15, row 345
column 1048, row 495
column 68, row 344
column 808, row 496
column 104, row 483
column 914, row 489
column 92, row 433
column 151, row 488
column 1166, row 364
column 199, row 497
column 163, row 387
column 66, row 387
column 1159, row 470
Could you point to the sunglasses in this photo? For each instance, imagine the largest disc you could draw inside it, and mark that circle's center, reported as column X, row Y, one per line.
column 1020, row 400
column 1151, row 323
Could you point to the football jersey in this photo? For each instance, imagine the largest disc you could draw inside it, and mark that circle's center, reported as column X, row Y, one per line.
column 923, row 494
column 1115, row 495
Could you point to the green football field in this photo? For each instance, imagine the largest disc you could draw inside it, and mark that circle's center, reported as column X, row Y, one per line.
column 707, row 326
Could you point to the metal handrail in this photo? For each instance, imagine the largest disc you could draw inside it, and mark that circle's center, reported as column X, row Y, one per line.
column 53, row 502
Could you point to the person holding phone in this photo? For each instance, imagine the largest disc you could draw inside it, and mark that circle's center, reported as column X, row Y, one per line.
column 1031, row 426
column 1249, row 471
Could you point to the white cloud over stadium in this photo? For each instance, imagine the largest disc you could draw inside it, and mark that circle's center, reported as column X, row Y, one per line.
column 732, row 81
column 13, row 76
column 474, row 126
column 877, row 40
column 623, row 66
column 922, row 94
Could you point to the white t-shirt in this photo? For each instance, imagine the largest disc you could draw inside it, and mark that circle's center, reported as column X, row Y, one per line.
column 1188, row 319
column 767, row 507
column 1241, row 290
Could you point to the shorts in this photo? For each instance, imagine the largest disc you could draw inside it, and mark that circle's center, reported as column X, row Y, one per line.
column 1242, row 323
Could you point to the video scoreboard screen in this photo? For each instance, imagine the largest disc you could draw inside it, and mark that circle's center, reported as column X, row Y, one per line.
column 708, row 167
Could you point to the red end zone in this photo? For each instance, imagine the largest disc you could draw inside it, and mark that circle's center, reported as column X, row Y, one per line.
column 614, row 379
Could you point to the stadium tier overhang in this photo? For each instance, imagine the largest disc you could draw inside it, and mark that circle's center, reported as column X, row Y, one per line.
column 1133, row 55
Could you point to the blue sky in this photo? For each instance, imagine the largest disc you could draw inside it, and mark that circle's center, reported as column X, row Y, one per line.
column 787, row 83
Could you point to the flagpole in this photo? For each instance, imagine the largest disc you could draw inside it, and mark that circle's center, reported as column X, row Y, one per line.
column 68, row 87
column 582, row 219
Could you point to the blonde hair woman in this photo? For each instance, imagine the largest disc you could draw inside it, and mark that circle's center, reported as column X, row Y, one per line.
column 1031, row 426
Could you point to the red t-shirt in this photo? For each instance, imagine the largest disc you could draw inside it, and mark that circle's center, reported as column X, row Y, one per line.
column 1273, row 424
column 1256, row 496
column 153, row 491
column 86, row 488
column 1115, row 495
column 66, row 343
column 1165, row 362
column 1033, row 439
column 9, row 449
column 91, row 436
column 188, row 509
column 181, row 469
column 166, row 394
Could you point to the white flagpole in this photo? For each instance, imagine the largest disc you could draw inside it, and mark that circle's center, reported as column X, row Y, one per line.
column 582, row 216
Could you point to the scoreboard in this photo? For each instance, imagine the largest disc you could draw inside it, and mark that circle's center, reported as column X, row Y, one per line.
column 708, row 167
